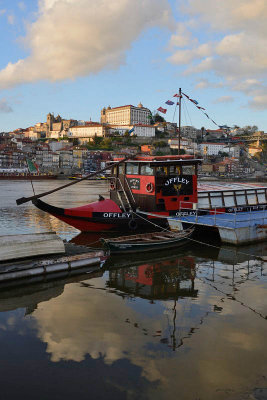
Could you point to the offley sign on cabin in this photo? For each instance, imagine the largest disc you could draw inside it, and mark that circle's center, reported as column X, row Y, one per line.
column 177, row 179
column 178, row 185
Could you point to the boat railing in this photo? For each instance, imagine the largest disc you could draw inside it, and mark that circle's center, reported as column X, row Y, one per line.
column 120, row 187
column 260, row 218
column 130, row 191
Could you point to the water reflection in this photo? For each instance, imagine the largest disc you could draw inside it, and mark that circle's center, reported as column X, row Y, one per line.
column 189, row 324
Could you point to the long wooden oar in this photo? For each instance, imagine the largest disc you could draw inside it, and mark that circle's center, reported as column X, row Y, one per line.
column 22, row 200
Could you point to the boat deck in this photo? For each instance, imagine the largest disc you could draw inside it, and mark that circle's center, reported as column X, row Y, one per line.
column 234, row 220
column 234, row 228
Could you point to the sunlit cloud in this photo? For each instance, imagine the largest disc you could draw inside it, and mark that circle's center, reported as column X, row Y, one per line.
column 70, row 39
column 237, row 54
column 224, row 99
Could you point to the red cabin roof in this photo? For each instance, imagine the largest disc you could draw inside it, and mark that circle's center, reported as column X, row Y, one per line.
column 161, row 158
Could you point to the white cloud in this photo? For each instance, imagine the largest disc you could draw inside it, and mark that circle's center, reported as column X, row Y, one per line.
column 239, row 53
column 70, row 39
column 205, row 83
column 186, row 56
column 4, row 106
column 2, row 12
column 182, row 37
column 224, row 99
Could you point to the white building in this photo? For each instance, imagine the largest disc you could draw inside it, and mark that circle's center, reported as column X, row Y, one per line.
column 87, row 131
column 233, row 151
column 125, row 115
column 212, row 149
column 187, row 144
column 142, row 130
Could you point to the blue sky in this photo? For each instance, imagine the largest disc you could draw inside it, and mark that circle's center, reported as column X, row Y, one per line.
column 73, row 57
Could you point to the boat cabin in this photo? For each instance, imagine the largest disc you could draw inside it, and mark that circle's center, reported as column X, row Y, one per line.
column 155, row 183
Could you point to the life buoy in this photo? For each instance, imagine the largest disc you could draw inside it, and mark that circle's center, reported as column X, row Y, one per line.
column 132, row 224
column 112, row 185
column 150, row 187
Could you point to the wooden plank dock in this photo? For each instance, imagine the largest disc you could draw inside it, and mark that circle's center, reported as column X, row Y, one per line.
column 59, row 257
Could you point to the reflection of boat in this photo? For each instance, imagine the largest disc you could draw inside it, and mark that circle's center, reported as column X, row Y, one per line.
column 147, row 241
column 167, row 277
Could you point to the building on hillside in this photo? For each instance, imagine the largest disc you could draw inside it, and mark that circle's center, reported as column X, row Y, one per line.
column 186, row 144
column 143, row 130
column 215, row 134
column 211, row 149
column 125, row 115
column 32, row 134
column 233, row 151
column 57, row 126
column 55, row 145
column 189, row 132
column 87, row 132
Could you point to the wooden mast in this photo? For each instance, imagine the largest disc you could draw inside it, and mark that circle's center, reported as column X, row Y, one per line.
column 180, row 106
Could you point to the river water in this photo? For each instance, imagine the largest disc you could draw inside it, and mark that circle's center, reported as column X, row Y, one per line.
column 189, row 325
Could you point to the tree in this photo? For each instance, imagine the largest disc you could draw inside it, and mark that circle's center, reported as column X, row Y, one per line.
column 158, row 118
column 249, row 130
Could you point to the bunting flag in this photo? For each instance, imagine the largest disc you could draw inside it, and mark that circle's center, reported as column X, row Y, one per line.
column 186, row 96
column 162, row 110
column 169, row 102
column 200, row 108
column 177, row 95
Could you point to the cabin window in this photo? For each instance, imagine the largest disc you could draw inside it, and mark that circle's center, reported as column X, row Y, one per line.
column 188, row 170
column 216, row 200
column 240, row 197
column 261, row 196
column 132, row 168
column 121, row 169
column 203, row 200
column 175, row 170
column 251, row 195
column 229, row 200
column 146, row 169
column 161, row 171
